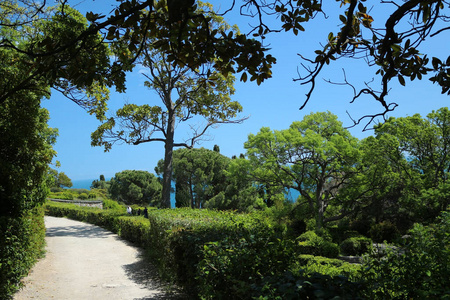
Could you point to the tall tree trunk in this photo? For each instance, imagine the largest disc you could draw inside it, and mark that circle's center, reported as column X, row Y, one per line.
column 168, row 160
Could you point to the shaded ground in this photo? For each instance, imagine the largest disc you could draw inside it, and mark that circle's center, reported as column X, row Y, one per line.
column 84, row 261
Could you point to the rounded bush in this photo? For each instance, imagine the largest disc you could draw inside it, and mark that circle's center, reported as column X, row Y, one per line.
column 67, row 195
column 83, row 196
column 356, row 245
column 384, row 231
column 311, row 243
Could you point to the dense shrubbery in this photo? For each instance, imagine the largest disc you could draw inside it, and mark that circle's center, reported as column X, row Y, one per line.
column 420, row 269
column 21, row 244
column 225, row 255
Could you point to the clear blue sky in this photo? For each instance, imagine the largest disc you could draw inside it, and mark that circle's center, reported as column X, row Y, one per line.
column 273, row 104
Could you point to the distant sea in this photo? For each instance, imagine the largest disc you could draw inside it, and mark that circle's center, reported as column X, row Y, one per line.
column 82, row 184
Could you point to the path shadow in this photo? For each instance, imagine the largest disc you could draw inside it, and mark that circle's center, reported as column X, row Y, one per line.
column 82, row 231
column 143, row 272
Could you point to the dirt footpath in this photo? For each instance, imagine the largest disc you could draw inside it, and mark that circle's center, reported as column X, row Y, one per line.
column 84, row 261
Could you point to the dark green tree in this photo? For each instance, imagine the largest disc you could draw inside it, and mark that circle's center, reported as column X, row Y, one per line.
column 242, row 192
column 199, row 175
column 425, row 145
column 135, row 187
column 100, row 184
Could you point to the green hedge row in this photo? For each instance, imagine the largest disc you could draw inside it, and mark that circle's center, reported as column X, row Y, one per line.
column 21, row 244
column 222, row 255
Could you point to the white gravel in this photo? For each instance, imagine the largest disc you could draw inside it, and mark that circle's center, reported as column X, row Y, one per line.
column 84, row 261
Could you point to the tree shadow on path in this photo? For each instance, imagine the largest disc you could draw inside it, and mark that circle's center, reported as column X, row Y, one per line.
column 81, row 231
column 143, row 272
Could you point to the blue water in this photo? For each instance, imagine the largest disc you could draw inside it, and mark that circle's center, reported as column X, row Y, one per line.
column 82, row 184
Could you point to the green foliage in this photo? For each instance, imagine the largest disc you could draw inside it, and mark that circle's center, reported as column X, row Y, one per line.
column 418, row 270
column 139, row 187
column 421, row 173
column 26, row 151
column 311, row 243
column 78, row 194
column 316, row 286
column 135, row 230
column 113, row 205
column 242, row 192
column 98, row 194
column 199, row 176
column 21, row 243
column 49, row 44
column 58, row 180
column 308, row 265
column 83, row 196
column 315, row 156
column 356, row 246
column 221, row 272
column 100, row 184
column 384, row 231
column 93, row 215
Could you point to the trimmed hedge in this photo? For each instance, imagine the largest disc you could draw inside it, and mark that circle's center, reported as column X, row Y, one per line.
column 21, row 243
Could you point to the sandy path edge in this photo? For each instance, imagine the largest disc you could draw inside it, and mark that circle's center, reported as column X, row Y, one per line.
column 84, row 261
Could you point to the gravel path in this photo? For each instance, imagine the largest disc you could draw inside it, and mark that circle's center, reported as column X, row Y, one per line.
column 84, row 261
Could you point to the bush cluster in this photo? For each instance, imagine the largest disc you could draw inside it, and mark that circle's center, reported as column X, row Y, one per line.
column 311, row 243
column 21, row 244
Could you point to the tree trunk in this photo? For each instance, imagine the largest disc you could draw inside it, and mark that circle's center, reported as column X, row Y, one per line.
column 168, row 160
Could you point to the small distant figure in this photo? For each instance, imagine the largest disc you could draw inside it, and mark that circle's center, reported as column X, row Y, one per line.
column 146, row 212
column 129, row 210
column 139, row 212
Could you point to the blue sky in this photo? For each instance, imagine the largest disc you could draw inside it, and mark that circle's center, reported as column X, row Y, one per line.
column 274, row 104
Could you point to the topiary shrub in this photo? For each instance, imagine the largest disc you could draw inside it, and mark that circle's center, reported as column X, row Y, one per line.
column 384, row 231
column 113, row 205
column 356, row 246
column 66, row 195
column 83, row 196
column 310, row 243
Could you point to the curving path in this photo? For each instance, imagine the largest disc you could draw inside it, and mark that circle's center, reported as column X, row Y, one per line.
column 84, row 261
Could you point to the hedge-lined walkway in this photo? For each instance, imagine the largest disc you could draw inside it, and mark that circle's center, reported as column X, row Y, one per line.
column 84, row 261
